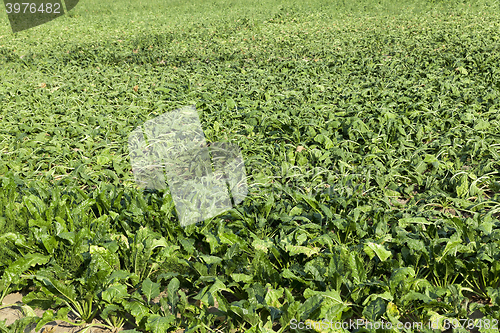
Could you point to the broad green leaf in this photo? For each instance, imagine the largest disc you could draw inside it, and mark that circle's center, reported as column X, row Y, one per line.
column 296, row 211
column 462, row 70
column 324, row 140
column 209, row 260
column 401, row 276
column 237, row 277
column 59, row 289
column 28, row 311
column 110, row 310
column 407, row 220
column 311, row 307
column 231, row 104
column 137, row 310
column 287, row 274
column 379, row 250
column 375, row 309
column 295, row 250
column 421, row 167
column 103, row 159
column 172, row 289
column 21, row 265
column 18, row 239
column 209, row 293
column 482, row 125
column 262, row 244
column 119, row 276
column 356, row 267
column 213, row 242
column 494, row 295
column 41, row 300
column 150, row 289
column 231, row 239
column 47, row 317
column 49, row 242
column 332, row 305
column 159, row 324
column 103, row 262
column 451, row 248
column 463, row 188
column 273, row 295
column 115, row 293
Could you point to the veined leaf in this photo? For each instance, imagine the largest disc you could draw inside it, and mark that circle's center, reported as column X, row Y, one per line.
column 375, row 309
column 115, row 293
column 21, row 265
column 373, row 249
column 295, row 250
column 273, row 295
column 242, row 277
column 172, row 289
column 150, row 289
column 103, row 261
column 137, row 310
column 262, row 244
column 463, row 188
column 451, row 248
column 159, row 324
column 59, row 289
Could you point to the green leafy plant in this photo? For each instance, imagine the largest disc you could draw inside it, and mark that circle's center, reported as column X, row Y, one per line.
column 369, row 133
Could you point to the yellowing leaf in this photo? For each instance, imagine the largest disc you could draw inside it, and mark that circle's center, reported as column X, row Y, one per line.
column 392, row 310
column 294, row 250
column 462, row 70
column 262, row 245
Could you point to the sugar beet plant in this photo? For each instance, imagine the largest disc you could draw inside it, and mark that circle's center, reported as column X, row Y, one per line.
column 370, row 135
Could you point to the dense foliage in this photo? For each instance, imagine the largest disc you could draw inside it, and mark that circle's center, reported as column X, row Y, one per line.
column 371, row 136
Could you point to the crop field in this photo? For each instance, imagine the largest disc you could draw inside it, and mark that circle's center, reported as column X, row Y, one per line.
column 370, row 134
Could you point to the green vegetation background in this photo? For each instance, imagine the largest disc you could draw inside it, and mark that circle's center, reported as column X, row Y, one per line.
column 370, row 132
